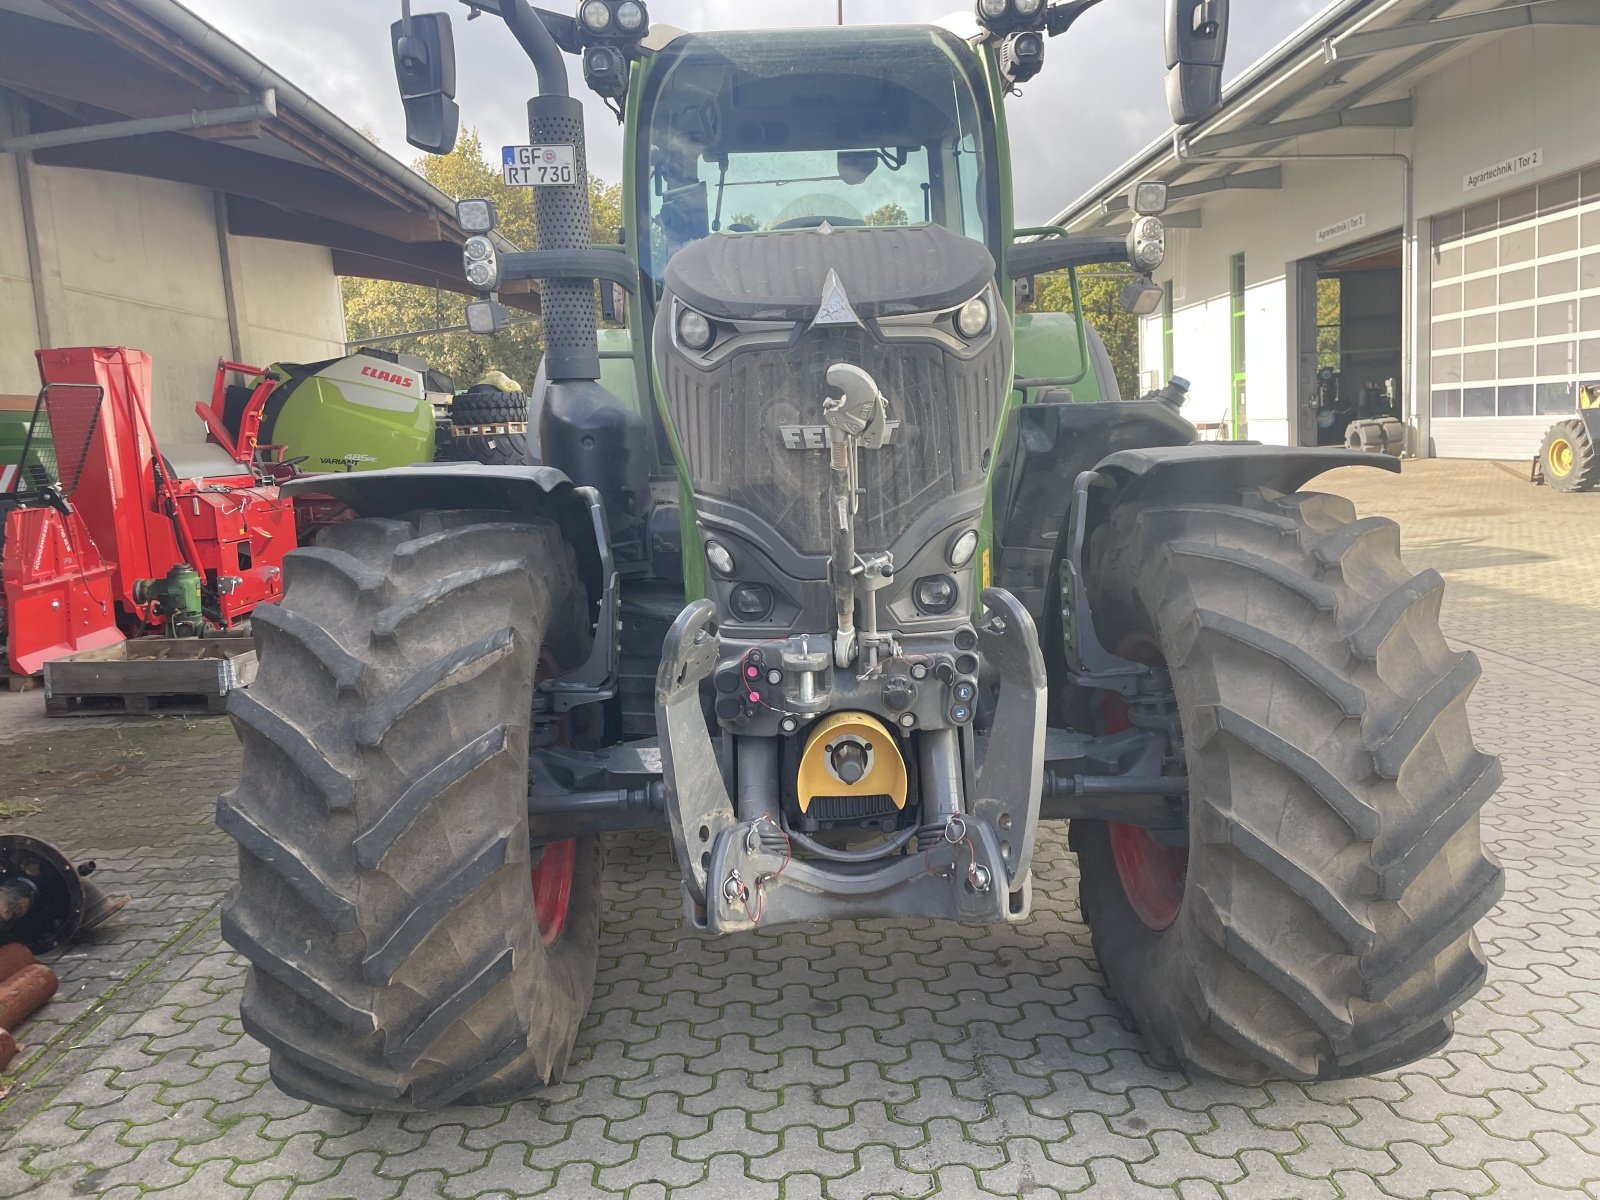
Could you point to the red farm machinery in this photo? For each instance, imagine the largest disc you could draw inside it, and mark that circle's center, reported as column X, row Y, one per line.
column 109, row 534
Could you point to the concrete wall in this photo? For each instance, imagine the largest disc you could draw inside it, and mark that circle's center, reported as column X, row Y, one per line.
column 138, row 262
column 1518, row 92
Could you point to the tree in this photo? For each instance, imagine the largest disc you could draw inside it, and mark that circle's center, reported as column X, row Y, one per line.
column 378, row 308
column 1100, row 288
column 887, row 214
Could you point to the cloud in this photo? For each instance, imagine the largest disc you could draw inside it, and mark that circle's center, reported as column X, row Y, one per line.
column 1099, row 100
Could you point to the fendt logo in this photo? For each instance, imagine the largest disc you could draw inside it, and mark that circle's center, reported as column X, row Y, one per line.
column 815, row 437
column 404, row 381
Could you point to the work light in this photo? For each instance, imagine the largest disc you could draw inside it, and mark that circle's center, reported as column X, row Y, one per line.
column 1147, row 243
column 1022, row 56
column 481, row 262
column 475, row 216
column 613, row 20
column 487, row 316
column 1005, row 16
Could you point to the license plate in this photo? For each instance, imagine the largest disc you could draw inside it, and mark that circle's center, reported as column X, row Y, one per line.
column 539, row 166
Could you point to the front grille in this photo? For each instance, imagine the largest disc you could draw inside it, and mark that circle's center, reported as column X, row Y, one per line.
column 729, row 423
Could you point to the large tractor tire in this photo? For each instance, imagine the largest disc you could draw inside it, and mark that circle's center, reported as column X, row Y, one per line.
column 1319, row 922
column 408, row 949
column 1569, row 457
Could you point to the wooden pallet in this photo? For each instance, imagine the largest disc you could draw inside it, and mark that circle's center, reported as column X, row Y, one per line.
column 149, row 676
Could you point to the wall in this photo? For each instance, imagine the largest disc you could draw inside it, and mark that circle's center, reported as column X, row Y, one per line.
column 137, row 262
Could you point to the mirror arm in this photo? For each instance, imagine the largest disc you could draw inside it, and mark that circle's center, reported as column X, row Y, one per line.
column 1038, row 258
column 1063, row 16
column 530, row 26
column 608, row 265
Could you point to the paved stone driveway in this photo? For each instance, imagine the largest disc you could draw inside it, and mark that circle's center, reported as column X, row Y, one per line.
column 864, row 1059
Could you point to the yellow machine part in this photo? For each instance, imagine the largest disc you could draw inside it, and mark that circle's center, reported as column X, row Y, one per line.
column 885, row 769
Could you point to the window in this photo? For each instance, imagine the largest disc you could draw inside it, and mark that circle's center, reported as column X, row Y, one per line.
column 1516, row 286
column 1238, row 420
column 1328, row 324
column 774, row 130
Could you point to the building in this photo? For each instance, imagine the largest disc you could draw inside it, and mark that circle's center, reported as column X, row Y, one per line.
column 1404, row 199
column 163, row 189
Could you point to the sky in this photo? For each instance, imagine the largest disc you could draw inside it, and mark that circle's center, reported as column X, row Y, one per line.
column 1098, row 101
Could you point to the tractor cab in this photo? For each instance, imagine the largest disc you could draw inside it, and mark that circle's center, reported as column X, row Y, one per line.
column 760, row 132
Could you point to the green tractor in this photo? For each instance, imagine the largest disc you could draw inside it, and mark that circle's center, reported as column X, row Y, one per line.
column 848, row 579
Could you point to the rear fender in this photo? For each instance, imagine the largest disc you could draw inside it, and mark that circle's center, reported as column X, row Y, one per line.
column 535, row 491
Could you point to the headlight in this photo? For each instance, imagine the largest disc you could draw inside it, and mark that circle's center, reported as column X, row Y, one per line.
column 630, row 16
column 694, row 331
column 482, row 263
column 595, row 15
column 935, row 594
column 1027, row 8
column 752, row 602
column 973, row 317
column 719, row 557
column 475, row 216
column 1147, row 243
column 962, row 548
column 993, row 9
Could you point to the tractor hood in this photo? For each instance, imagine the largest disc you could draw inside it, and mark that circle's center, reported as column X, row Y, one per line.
column 745, row 391
column 783, row 275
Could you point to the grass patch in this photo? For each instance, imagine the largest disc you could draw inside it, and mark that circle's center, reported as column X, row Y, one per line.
column 11, row 810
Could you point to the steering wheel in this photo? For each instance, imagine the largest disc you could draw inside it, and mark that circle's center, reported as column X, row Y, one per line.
column 817, row 221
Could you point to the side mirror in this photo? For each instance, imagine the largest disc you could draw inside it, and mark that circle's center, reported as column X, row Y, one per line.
column 1197, row 43
column 425, row 69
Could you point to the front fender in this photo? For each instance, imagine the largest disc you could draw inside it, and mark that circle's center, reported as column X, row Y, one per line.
column 1210, row 467
column 535, row 491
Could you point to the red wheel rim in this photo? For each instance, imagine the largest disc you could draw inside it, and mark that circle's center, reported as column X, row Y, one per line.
column 552, row 873
column 1152, row 875
column 552, row 889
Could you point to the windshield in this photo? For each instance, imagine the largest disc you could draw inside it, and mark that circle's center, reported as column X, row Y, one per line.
column 747, row 132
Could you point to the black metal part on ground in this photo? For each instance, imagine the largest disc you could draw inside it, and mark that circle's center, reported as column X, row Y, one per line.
column 44, row 899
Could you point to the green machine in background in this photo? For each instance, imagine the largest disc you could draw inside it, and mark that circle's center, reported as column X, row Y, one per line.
column 370, row 410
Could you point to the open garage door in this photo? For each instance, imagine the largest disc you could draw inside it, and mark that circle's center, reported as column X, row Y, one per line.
column 1351, row 318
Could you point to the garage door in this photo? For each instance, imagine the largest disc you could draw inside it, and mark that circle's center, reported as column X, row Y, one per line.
column 1515, row 316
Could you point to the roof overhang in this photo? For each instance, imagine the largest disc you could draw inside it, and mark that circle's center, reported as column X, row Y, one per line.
column 1341, row 84
column 144, row 87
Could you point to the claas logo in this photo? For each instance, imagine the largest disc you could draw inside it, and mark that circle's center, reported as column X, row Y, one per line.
column 404, row 381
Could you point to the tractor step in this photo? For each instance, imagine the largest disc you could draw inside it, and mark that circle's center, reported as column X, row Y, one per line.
column 150, row 676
